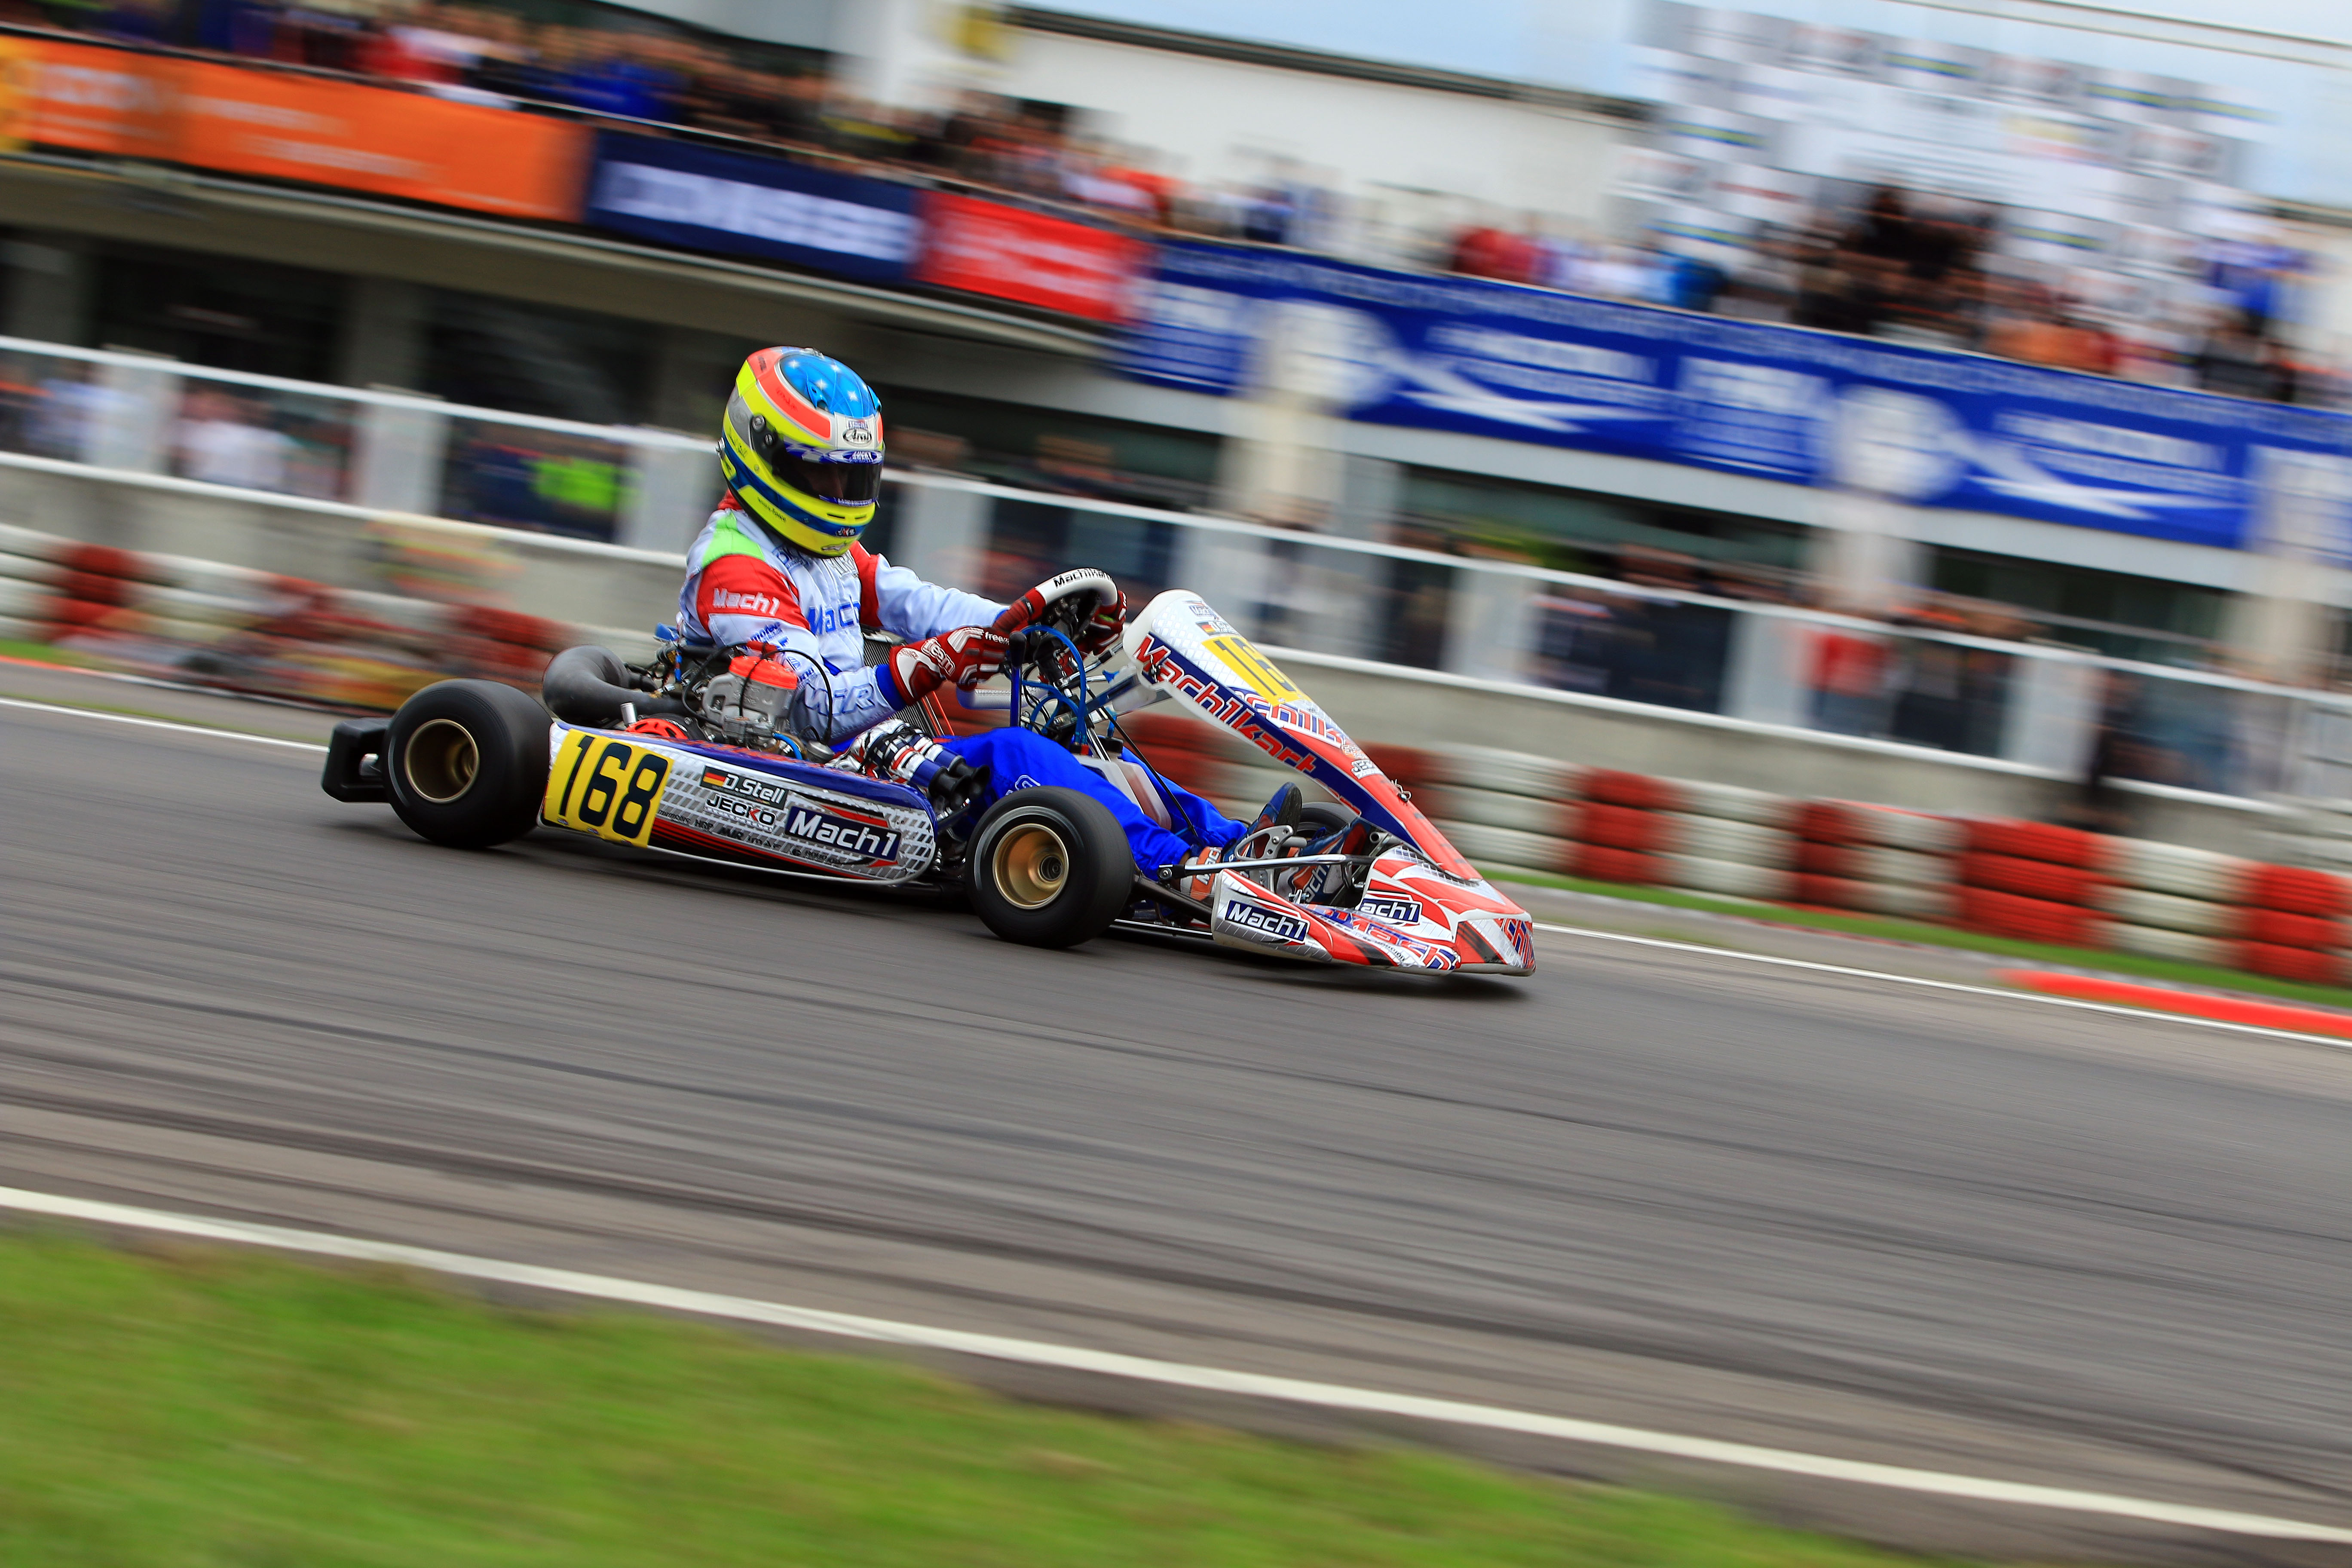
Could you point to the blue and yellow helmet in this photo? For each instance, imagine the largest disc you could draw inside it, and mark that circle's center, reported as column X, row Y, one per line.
column 802, row 447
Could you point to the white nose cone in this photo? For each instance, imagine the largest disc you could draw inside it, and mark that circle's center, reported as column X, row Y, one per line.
column 1176, row 607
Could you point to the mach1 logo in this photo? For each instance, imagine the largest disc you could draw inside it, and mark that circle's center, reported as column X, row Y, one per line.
column 830, row 618
column 1393, row 911
column 746, row 603
column 1266, row 922
column 814, row 827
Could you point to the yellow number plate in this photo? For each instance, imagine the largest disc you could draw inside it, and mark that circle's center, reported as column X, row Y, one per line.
column 1255, row 670
column 604, row 786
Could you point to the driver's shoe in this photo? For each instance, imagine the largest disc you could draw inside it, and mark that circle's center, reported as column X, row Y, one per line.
column 1197, row 888
column 1282, row 811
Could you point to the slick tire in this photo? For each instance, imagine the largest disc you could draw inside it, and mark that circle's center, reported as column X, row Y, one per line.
column 466, row 763
column 1049, row 868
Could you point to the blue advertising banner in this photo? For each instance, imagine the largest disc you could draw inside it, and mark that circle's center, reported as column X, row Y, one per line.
column 1925, row 426
column 679, row 194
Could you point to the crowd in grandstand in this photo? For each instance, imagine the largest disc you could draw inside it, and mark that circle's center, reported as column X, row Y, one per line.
column 1898, row 268
column 1934, row 274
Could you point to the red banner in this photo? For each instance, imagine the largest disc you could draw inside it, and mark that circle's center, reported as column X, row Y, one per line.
column 987, row 247
column 248, row 122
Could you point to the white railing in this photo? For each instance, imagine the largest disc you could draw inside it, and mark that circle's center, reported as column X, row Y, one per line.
column 383, row 451
column 2027, row 705
column 2030, row 705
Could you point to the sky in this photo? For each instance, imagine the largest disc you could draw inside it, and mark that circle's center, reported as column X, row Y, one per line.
column 1520, row 40
column 2304, row 88
column 1580, row 43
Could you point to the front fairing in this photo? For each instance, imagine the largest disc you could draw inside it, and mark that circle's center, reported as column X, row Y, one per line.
column 1413, row 916
column 1178, row 643
column 1424, row 907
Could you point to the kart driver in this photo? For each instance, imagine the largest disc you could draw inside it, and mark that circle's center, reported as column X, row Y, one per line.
column 779, row 565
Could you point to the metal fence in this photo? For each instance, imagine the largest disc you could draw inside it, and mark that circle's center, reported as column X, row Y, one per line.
column 383, row 451
column 2045, row 707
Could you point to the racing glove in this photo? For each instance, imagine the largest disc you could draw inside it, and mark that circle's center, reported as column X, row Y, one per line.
column 897, row 750
column 1100, row 634
column 964, row 657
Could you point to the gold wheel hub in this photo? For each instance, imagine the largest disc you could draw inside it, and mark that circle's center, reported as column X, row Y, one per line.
column 1031, row 866
column 441, row 760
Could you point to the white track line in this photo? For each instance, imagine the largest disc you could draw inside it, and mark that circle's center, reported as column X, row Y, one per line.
column 1258, row 1385
column 1250, row 1384
column 159, row 724
column 1702, row 950
column 2037, row 998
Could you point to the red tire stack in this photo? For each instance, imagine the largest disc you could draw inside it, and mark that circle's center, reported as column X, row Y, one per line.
column 2033, row 881
column 1875, row 860
column 2292, row 924
column 1619, row 831
column 1504, row 809
column 256, row 631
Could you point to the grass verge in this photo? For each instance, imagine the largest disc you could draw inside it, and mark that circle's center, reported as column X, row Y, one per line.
column 217, row 1408
column 1891, row 929
column 43, row 653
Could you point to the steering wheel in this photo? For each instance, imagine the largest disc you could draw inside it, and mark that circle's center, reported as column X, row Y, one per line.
column 1039, row 658
column 1064, row 602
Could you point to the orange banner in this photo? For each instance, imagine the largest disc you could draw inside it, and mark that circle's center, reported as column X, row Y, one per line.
column 247, row 121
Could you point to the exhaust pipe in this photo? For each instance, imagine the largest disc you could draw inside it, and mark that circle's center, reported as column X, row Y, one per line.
column 588, row 686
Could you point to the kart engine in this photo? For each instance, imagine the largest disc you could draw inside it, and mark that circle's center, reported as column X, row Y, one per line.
column 750, row 703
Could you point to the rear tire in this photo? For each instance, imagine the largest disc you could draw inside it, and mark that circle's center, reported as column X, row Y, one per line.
column 1049, row 868
column 466, row 763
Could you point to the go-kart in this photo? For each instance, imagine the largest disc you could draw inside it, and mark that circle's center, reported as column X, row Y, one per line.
column 691, row 756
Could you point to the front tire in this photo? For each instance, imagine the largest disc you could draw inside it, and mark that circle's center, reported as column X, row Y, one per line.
column 466, row 763
column 1049, row 868
column 1322, row 818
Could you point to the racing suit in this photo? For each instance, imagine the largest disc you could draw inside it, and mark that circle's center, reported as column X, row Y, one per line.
column 744, row 585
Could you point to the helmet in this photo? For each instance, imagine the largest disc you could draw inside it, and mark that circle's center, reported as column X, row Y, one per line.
column 802, row 447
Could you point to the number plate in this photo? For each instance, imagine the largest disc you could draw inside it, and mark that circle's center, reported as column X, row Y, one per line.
column 605, row 787
column 1253, row 668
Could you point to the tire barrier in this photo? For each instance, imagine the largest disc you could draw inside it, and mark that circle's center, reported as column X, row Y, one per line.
column 1513, row 812
column 209, row 624
column 205, row 623
column 1875, row 860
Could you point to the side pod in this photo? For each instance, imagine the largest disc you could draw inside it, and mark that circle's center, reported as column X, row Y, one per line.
column 355, row 762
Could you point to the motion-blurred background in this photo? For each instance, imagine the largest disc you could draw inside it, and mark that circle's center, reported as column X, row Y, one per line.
column 1960, row 378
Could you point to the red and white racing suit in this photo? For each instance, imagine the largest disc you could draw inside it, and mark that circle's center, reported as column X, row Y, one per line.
column 744, row 584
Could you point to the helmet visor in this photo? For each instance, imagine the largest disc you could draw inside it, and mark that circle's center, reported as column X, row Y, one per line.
column 850, row 478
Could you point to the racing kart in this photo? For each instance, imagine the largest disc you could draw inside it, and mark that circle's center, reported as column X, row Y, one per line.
column 691, row 756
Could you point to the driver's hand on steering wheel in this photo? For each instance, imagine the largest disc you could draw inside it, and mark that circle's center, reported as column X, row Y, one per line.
column 1100, row 632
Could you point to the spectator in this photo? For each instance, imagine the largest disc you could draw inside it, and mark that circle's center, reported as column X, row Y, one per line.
column 2235, row 362
column 1849, row 681
column 224, row 440
column 1902, row 266
column 1487, row 251
column 65, row 419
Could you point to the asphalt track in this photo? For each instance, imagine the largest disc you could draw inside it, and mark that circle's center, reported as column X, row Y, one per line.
column 1650, row 1187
